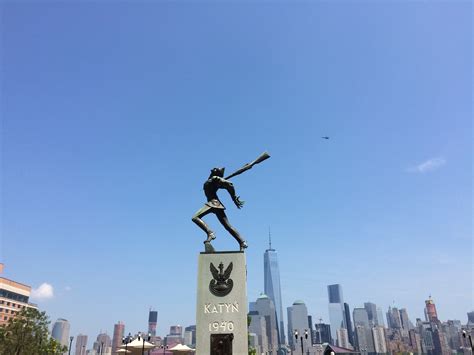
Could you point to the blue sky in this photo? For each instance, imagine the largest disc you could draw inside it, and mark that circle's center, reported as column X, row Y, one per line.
column 113, row 115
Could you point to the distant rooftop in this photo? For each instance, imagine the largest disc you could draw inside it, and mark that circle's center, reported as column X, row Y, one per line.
column 298, row 302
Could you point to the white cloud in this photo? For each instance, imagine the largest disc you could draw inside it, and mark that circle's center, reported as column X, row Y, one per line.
column 43, row 292
column 428, row 165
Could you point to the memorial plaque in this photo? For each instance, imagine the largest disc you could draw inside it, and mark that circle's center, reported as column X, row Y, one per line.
column 221, row 344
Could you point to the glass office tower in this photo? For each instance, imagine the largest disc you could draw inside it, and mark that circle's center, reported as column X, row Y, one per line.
column 60, row 331
column 272, row 287
column 337, row 316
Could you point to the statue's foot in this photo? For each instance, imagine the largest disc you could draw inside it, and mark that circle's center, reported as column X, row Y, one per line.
column 210, row 237
column 243, row 245
column 208, row 248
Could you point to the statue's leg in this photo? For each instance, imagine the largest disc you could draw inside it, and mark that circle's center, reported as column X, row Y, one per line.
column 197, row 219
column 225, row 222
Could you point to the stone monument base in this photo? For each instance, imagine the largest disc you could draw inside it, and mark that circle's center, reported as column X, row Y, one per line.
column 221, row 311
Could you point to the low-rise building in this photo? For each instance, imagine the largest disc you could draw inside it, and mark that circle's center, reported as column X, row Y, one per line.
column 14, row 296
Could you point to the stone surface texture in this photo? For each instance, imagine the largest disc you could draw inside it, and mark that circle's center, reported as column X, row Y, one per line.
column 225, row 314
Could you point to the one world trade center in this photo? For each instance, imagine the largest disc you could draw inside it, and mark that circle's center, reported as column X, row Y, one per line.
column 272, row 287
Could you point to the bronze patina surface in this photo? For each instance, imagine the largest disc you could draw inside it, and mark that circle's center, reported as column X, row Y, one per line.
column 215, row 182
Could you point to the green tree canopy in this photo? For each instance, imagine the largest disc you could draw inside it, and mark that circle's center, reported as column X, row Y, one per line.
column 27, row 334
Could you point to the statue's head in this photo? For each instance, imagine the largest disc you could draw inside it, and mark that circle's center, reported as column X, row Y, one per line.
column 217, row 172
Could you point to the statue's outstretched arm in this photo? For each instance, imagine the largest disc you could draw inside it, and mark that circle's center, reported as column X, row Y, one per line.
column 225, row 184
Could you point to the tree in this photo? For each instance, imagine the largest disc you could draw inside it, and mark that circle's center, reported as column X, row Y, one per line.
column 27, row 334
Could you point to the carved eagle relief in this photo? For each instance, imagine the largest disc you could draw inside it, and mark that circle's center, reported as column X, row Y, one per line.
column 221, row 284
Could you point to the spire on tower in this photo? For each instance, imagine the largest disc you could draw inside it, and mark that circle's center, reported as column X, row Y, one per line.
column 270, row 240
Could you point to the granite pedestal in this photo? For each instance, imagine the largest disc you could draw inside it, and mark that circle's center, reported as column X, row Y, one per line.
column 221, row 310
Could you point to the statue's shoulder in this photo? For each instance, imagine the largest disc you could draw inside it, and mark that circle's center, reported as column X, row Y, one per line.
column 213, row 180
column 216, row 180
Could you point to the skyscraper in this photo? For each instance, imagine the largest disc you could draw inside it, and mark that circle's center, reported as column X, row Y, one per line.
column 176, row 330
column 453, row 330
column 119, row 330
column 264, row 307
column 272, row 286
column 380, row 317
column 310, row 330
column 415, row 341
column 342, row 338
column 426, row 335
column 406, row 325
column 363, row 332
column 371, row 309
column 190, row 335
column 470, row 319
column 323, row 333
column 103, row 344
column 258, row 326
column 360, row 317
column 60, row 331
column 152, row 319
column 337, row 316
column 378, row 334
column 298, row 321
column 175, row 336
column 440, row 342
column 81, row 344
column 335, row 294
column 430, row 310
column 347, row 316
column 393, row 318
column 361, row 338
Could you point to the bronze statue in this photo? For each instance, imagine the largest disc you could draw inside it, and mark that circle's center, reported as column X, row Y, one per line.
column 215, row 182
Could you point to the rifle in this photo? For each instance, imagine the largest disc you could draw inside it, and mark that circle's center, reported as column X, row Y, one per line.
column 262, row 157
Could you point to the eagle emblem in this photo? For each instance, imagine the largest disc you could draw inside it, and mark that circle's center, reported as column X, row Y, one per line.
column 221, row 284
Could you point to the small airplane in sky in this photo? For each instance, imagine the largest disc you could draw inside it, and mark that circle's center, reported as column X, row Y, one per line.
column 325, row 137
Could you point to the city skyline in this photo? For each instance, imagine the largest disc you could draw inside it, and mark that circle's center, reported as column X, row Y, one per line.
column 362, row 327
column 109, row 131
column 369, row 330
column 366, row 318
column 367, row 336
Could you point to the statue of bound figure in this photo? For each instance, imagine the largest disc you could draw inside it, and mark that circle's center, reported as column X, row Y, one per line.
column 216, row 181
